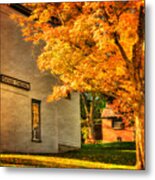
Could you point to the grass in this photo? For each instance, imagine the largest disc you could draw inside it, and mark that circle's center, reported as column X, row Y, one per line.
column 100, row 156
column 110, row 153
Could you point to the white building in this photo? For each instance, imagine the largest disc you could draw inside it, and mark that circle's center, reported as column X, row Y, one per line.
column 28, row 124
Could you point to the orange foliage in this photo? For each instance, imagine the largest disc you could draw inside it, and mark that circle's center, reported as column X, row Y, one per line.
column 84, row 45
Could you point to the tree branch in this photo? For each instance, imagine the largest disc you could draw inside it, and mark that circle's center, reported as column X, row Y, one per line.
column 122, row 51
column 137, row 51
column 85, row 104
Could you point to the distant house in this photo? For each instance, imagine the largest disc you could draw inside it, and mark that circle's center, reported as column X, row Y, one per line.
column 110, row 127
column 28, row 124
column 113, row 127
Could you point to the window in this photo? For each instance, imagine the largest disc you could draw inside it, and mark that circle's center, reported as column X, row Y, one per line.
column 117, row 123
column 36, row 128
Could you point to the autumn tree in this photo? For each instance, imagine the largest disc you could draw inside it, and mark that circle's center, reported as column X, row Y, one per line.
column 93, row 47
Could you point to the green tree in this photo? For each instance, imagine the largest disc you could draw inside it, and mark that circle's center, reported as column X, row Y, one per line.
column 91, row 106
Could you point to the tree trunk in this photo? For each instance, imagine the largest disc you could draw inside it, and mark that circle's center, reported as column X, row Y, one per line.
column 91, row 121
column 89, row 116
column 139, row 84
column 91, row 134
column 140, row 150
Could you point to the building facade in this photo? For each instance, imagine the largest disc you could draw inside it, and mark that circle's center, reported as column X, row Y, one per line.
column 28, row 124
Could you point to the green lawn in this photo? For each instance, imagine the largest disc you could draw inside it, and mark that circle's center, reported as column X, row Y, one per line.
column 101, row 156
column 115, row 153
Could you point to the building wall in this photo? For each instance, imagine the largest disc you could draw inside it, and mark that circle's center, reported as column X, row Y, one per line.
column 69, row 121
column 16, row 115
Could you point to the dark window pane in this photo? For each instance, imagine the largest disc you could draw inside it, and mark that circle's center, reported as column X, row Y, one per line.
column 36, row 129
column 117, row 123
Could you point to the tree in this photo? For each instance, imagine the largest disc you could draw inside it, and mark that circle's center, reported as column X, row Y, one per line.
column 93, row 47
column 91, row 106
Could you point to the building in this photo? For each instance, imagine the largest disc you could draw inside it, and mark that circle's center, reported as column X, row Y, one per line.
column 113, row 127
column 28, row 124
